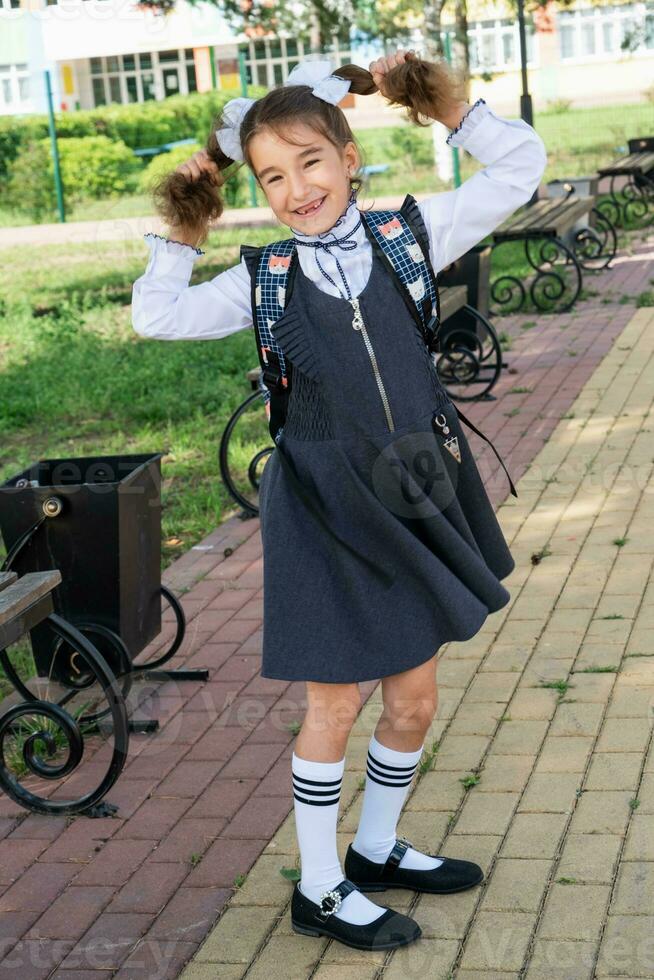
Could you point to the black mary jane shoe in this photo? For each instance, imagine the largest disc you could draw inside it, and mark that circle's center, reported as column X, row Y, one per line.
column 450, row 876
column 389, row 930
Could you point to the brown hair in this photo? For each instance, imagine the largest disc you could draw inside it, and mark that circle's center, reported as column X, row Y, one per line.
column 427, row 89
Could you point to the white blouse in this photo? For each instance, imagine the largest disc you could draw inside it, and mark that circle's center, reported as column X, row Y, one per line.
column 165, row 307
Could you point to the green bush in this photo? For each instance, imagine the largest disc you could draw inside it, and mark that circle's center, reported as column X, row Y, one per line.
column 91, row 167
column 411, row 145
column 138, row 124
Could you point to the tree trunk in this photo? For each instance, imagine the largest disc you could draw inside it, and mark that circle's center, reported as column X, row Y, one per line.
column 431, row 30
column 460, row 48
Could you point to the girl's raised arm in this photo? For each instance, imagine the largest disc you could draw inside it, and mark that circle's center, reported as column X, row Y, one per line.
column 512, row 152
column 515, row 158
column 165, row 307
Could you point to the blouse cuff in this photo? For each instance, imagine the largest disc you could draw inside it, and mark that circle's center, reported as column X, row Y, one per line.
column 473, row 117
column 170, row 256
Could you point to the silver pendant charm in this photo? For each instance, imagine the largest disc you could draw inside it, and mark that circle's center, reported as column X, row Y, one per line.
column 452, row 444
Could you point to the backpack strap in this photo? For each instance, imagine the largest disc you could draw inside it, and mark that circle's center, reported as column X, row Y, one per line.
column 400, row 239
column 272, row 270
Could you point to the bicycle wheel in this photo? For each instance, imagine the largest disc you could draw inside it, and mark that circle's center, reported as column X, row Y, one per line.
column 244, row 449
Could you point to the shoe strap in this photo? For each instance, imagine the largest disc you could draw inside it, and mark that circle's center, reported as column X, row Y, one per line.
column 331, row 900
column 400, row 848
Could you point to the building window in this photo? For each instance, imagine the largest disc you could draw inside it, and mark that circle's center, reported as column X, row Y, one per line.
column 593, row 32
column 138, row 77
column 495, row 45
column 269, row 61
column 14, row 87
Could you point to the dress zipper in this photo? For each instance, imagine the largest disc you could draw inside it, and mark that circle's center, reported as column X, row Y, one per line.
column 358, row 324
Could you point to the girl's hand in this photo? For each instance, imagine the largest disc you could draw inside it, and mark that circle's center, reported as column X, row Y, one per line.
column 197, row 166
column 379, row 68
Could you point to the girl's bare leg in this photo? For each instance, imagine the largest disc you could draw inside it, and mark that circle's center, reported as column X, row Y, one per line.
column 331, row 711
column 410, row 704
column 410, row 701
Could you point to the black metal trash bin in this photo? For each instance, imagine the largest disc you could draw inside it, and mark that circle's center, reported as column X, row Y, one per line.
column 98, row 520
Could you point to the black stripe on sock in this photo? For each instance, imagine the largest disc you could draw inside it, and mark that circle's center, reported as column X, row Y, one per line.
column 303, row 799
column 390, row 775
column 383, row 782
column 318, row 782
column 316, row 792
column 382, row 765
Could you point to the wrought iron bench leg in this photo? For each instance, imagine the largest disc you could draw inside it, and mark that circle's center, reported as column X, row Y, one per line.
column 547, row 287
column 39, row 744
column 596, row 245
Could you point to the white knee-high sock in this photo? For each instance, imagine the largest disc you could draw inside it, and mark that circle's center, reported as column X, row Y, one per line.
column 389, row 775
column 316, row 795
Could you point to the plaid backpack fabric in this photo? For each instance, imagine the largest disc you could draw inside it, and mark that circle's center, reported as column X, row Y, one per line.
column 400, row 238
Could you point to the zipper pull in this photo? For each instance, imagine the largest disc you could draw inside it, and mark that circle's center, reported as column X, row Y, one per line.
column 357, row 318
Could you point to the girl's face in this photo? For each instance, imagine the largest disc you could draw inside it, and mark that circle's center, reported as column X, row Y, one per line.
column 294, row 177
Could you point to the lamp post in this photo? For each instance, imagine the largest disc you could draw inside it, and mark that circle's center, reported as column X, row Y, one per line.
column 526, row 109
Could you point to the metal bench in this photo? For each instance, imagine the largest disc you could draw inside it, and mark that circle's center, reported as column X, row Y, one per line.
column 631, row 203
column 39, row 738
column 153, row 151
column 543, row 227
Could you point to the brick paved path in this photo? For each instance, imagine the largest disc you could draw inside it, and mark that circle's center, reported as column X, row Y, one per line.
column 208, row 798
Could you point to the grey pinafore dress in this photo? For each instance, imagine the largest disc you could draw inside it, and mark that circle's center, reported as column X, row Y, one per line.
column 400, row 551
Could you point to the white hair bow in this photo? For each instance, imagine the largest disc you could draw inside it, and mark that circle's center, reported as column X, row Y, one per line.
column 317, row 74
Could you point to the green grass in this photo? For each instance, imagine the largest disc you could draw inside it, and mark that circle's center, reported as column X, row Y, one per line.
column 78, row 380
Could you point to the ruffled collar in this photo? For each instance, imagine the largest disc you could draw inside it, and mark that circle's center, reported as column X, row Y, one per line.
column 348, row 225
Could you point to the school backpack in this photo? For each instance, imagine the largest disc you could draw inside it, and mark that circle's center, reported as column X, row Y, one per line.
column 398, row 237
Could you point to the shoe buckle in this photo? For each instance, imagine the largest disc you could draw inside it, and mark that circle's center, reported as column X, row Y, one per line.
column 330, row 902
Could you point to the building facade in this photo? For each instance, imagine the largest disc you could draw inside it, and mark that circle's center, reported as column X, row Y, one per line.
column 113, row 51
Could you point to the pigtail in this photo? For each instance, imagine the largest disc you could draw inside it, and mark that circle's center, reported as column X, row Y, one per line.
column 193, row 205
column 430, row 89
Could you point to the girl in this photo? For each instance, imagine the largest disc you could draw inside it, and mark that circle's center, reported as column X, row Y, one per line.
column 379, row 541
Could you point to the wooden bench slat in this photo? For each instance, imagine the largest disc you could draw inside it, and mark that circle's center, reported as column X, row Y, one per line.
column 6, row 579
column 641, row 162
column 547, row 217
column 452, row 298
column 30, row 587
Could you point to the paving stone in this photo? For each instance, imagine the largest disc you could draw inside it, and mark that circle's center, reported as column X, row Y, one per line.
column 158, row 958
column 640, row 840
column 504, row 773
column 460, row 753
column 577, row 719
column 589, row 858
column 498, row 941
column 565, row 754
column 614, row 771
column 605, row 812
column 426, row 957
column 190, row 914
column 534, row 835
column 574, row 911
column 149, row 888
column 107, row 943
column 627, row 948
column 561, row 960
column 624, row 735
column 486, row 813
column 237, row 935
column 445, row 921
column 634, row 888
column 519, row 737
column 516, row 885
column 551, row 792
column 436, row 791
